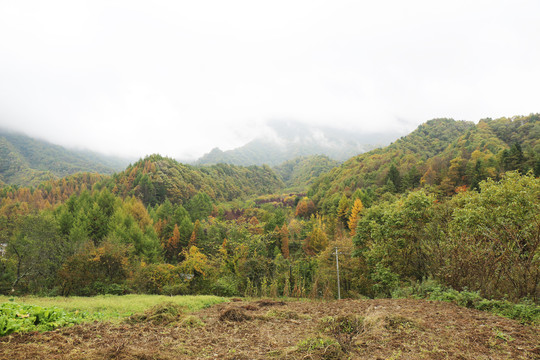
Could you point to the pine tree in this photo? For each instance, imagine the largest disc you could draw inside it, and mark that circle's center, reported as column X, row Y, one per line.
column 343, row 209
column 394, row 178
column 353, row 220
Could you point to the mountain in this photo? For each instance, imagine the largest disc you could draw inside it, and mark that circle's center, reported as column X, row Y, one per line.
column 28, row 162
column 287, row 140
column 300, row 172
column 442, row 153
column 155, row 179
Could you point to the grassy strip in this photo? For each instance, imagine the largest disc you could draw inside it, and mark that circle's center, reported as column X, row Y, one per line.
column 22, row 314
column 526, row 312
column 110, row 307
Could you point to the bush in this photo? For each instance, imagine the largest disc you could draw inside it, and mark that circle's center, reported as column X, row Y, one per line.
column 226, row 286
column 158, row 279
column 23, row 318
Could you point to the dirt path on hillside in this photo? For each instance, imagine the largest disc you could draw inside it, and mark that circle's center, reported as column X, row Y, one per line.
column 364, row 329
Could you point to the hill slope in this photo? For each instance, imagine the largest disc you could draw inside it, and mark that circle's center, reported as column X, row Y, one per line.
column 156, row 178
column 290, row 139
column 27, row 161
column 300, row 172
column 443, row 153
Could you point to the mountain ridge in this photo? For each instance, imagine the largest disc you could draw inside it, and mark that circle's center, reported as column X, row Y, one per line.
column 287, row 140
column 445, row 153
column 29, row 161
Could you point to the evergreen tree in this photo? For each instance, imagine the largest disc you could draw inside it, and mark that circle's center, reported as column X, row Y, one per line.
column 200, row 206
column 343, row 209
column 394, row 177
column 353, row 219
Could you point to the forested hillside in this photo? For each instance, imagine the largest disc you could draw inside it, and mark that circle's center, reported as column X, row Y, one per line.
column 443, row 153
column 28, row 162
column 300, row 172
column 451, row 207
column 155, row 179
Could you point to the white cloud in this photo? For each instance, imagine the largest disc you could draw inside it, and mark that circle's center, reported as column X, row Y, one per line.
column 179, row 78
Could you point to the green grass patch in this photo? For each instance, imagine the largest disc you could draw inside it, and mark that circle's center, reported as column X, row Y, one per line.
column 110, row 307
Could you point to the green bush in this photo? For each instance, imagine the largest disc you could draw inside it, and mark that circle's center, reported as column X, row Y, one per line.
column 23, row 318
column 226, row 286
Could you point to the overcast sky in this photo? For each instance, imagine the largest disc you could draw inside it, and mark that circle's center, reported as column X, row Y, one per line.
column 181, row 77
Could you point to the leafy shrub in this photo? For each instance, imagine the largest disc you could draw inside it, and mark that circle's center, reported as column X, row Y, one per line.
column 226, row 286
column 23, row 318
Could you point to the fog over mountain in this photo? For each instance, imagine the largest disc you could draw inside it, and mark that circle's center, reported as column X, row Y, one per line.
column 131, row 78
column 288, row 139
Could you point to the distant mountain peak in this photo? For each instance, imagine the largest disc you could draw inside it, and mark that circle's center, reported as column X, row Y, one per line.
column 288, row 139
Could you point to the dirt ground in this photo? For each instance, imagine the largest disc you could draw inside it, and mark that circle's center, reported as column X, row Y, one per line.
column 347, row 329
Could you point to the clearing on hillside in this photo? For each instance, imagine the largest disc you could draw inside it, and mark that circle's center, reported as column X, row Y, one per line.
column 347, row 329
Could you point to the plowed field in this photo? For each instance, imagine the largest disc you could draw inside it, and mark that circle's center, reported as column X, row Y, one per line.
column 347, row 329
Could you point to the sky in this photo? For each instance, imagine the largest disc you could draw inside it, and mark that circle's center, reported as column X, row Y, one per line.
column 179, row 78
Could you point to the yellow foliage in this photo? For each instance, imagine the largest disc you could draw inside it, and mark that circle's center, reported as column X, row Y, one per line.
column 353, row 219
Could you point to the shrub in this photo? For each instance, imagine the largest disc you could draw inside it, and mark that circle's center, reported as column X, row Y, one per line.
column 23, row 318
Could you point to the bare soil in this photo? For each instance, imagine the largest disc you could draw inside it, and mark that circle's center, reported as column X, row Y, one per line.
column 383, row 329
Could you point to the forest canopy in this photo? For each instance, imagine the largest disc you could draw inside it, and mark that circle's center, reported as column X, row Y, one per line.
column 453, row 202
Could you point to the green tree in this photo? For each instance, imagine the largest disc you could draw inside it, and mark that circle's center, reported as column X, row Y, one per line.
column 393, row 178
column 343, row 209
column 200, row 206
column 38, row 251
column 493, row 242
column 317, row 239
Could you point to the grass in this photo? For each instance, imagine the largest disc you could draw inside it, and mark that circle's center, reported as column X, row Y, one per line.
column 114, row 307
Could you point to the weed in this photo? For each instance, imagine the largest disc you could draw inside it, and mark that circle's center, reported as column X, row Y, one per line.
column 192, row 321
column 320, row 348
column 395, row 355
column 283, row 314
column 501, row 335
column 399, row 322
column 161, row 314
column 343, row 329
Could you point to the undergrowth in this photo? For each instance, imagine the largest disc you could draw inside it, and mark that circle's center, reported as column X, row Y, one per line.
column 24, row 318
column 526, row 311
